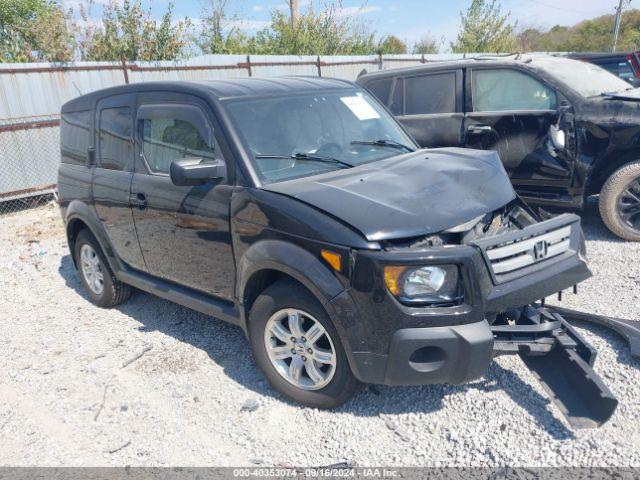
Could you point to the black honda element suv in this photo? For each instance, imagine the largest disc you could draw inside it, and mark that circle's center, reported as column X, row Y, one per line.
column 300, row 210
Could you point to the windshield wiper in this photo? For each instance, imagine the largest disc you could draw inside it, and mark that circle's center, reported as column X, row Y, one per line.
column 311, row 157
column 383, row 143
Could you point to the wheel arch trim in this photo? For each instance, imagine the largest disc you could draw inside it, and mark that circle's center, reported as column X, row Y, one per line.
column 81, row 212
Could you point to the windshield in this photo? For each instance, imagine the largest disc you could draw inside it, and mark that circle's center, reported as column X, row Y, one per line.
column 302, row 135
column 585, row 78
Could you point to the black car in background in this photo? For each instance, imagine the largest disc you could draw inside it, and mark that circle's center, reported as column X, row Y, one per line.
column 625, row 65
column 564, row 129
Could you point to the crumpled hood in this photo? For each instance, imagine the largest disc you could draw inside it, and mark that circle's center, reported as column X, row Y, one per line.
column 408, row 195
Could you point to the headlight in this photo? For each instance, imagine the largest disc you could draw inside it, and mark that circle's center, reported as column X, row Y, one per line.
column 432, row 285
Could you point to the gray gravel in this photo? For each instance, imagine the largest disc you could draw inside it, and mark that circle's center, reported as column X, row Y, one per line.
column 196, row 398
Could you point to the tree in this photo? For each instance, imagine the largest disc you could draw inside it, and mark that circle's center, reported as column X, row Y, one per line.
column 324, row 33
column 391, row 44
column 34, row 30
column 129, row 32
column 426, row 45
column 588, row 35
column 485, row 29
column 218, row 34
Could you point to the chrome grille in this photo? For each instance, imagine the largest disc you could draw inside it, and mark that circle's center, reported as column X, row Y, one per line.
column 506, row 258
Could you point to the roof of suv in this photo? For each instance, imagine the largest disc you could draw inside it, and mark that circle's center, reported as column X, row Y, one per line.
column 237, row 87
column 527, row 61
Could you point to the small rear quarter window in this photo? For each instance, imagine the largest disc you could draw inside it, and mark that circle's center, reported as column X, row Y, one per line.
column 381, row 89
column 74, row 136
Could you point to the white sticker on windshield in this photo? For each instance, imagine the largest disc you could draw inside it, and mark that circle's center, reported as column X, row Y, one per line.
column 360, row 107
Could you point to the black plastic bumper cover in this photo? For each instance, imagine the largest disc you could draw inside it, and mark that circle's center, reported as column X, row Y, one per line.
column 417, row 356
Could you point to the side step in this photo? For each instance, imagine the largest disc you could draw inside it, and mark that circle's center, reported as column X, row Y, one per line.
column 562, row 362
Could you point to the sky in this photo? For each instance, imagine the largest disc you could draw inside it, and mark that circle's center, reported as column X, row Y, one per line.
column 407, row 19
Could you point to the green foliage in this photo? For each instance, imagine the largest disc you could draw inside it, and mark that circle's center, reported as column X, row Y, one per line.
column 313, row 33
column 485, row 29
column 391, row 45
column 129, row 31
column 590, row 35
column 218, row 34
column 34, row 30
column 324, row 33
column 426, row 45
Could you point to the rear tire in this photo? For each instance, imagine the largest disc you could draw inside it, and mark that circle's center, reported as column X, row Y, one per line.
column 104, row 289
column 321, row 376
column 620, row 202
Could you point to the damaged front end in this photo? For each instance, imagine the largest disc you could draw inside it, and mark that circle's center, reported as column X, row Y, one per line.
column 560, row 359
column 521, row 261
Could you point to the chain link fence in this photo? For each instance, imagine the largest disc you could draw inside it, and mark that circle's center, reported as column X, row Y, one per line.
column 29, row 158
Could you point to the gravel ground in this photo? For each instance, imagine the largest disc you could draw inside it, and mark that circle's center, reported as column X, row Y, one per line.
column 195, row 396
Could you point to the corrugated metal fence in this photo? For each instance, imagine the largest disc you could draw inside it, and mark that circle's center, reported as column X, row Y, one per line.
column 31, row 95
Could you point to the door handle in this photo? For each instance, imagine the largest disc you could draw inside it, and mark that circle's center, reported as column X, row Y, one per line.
column 139, row 200
column 479, row 129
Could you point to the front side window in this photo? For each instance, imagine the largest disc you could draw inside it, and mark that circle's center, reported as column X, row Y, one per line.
column 115, row 139
column 507, row 89
column 429, row 94
column 171, row 133
column 332, row 129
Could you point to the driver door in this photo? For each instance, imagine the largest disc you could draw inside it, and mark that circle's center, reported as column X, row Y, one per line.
column 512, row 112
column 183, row 231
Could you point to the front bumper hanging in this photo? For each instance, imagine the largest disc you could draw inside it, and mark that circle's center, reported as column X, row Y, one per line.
column 560, row 359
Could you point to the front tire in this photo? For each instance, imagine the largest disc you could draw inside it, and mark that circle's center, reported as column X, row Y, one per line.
column 104, row 289
column 297, row 347
column 620, row 202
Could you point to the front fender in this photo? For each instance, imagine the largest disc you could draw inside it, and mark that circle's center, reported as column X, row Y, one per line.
column 292, row 260
column 307, row 269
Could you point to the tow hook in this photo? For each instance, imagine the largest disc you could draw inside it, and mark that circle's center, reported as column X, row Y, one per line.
column 560, row 359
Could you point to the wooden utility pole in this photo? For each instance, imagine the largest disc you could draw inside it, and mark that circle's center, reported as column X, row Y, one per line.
column 293, row 6
column 616, row 24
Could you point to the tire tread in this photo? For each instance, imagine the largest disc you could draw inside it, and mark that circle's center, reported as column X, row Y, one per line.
column 608, row 198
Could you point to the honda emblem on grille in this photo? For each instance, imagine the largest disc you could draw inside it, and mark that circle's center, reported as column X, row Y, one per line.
column 540, row 250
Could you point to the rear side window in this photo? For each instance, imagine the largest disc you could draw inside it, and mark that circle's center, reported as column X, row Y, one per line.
column 506, row 89
column 172, row 133
column 429, row 94
column 116, row 146
column 74, row 136
column 381, row 89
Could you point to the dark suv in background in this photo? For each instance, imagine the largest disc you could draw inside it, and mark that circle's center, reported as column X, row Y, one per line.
column 564, row 129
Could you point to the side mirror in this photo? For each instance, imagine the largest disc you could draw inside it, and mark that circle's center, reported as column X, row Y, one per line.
column 189, row 172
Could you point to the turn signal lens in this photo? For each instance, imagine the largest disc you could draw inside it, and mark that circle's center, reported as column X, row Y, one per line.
column 392, row 276
column 332, row 258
